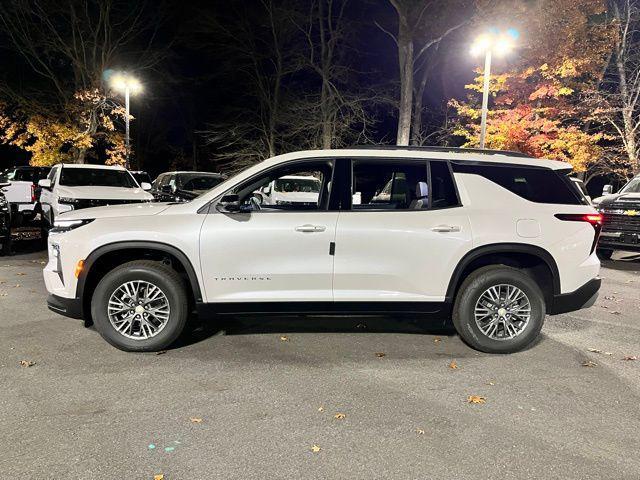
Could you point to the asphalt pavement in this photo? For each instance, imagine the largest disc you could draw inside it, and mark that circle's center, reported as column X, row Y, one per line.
column 321, row 397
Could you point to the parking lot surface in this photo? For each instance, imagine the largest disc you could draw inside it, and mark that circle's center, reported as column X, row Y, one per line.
column 343, row 398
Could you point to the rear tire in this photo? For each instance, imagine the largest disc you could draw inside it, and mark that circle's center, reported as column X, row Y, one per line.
column 471, row 310
column 111, row 291
column 604, row 253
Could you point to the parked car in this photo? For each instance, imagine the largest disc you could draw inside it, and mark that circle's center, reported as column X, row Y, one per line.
column 141, row 176
column 184, row 186
column 77, row 186
column 5, row 222
column 492, row 240
column 22, row 191
column 289, row 190
column 621, row 219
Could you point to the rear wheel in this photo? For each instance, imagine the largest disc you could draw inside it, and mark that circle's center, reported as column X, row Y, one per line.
column 499, row 309
column 604, row 253
column 140, row 306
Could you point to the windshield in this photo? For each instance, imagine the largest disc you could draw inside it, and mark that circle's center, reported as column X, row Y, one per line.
column 96, row 177
column 201, row 183
column 632, row 187
column 297, row 185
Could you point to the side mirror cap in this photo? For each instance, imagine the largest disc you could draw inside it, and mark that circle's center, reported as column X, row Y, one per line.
column 607, row 190
column 145, row 186
column 229, row 204
column 44, row 183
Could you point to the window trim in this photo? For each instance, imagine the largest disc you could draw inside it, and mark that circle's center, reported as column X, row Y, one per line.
column 402, row 160
column 333, row 161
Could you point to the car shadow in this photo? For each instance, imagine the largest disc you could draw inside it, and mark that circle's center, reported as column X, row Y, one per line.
column 199, row 330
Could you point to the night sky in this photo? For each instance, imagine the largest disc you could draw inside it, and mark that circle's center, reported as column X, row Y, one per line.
column 186, row 91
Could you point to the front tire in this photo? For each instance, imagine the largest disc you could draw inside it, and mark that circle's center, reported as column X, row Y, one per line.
column 499, row 309
column 140, row 306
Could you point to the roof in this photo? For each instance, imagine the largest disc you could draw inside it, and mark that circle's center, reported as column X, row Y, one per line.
column 88, row 165
column 191, row 172
column 489, row 156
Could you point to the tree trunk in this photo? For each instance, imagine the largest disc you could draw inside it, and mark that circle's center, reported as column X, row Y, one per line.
column 405, row 60
column 416, row 128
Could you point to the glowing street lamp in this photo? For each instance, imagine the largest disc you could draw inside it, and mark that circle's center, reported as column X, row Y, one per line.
column 493, row 42
column 128, row 85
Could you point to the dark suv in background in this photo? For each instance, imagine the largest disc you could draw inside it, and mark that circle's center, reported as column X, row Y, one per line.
column 621, row 219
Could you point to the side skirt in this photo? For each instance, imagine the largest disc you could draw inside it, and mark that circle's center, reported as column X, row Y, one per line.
column 427, row 310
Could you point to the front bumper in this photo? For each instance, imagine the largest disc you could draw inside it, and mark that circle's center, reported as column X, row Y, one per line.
column 69, row 307
column 620, row 241
column 583, row 297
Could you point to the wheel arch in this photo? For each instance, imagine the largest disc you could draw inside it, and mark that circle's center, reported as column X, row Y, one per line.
column 536, row 260
column 125, row 251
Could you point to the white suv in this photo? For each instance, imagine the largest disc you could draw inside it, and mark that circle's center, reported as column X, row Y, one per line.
column 492, row 240
column 76, row 186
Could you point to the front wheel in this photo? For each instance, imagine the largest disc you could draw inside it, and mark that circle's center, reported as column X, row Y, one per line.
column 140, row 306
column 499, row 309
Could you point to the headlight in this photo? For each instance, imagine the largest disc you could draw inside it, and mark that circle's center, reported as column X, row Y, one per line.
column 61, row 226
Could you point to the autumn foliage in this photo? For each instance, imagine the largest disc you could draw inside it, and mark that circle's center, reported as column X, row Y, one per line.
column 536, row 106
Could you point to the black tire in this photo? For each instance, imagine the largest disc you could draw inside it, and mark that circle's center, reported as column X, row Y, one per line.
column 5, row 251
column 470, row 292
column 159, row 275
column 604, row 253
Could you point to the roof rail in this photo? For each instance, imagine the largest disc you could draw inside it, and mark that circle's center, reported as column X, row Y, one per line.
column 427, row 148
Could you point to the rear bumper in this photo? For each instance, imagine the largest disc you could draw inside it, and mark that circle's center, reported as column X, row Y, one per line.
column 583, row 297
column 69, row 307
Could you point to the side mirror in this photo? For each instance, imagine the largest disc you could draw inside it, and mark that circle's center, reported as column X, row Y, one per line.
column 230, row 203
column 44, row 183
column 607, row 190
column 145, row 186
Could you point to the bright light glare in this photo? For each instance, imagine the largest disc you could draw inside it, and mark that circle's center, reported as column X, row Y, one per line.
column 498, row 43
column 122, row 82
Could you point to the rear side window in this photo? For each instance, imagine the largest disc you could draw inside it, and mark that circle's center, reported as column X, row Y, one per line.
column 539, row 185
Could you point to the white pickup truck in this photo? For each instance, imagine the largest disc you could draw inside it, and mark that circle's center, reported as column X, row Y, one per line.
column 21, row 193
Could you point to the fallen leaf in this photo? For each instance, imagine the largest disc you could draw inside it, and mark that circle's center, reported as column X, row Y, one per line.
column 20, row 274
column 195, row 420
column 594, row 350
column 27, row 363
column 614, row 312
column 608, row 353
column 611, row 297
column 381, row 354
column 589, row 363
column 629, row 358
column 18, row 285
column 161, row 352
column 284, row 338
column 453, row 365
column 491, row 383
column 437, row 340
column 321, row 408
column 315, row 448
column 339, row 416
column 476, row 399
column 419, row 431
column 158, row 477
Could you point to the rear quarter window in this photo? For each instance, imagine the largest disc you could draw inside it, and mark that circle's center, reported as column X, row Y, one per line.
column 539, row 185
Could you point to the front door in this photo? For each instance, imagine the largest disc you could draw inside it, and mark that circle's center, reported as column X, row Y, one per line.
column 403, row 235
column 273, row 252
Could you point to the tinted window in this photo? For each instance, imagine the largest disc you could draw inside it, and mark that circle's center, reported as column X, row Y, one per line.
column 96, row 177
column 443, row 189
column 200, row 183
column 389, row 186
column 540, row 185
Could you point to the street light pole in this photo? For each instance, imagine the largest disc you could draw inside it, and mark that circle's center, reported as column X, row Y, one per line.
column 126, row 126
column 485, row 98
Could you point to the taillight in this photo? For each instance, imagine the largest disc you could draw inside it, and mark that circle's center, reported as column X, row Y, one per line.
column 594, row 219
column 33, row 193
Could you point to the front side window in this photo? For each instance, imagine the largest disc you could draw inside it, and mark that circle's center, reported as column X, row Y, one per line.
column 389, row 186
column 297, row 187
column 96, row 177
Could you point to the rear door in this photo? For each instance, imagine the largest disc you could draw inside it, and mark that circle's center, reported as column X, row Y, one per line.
column 403, row 234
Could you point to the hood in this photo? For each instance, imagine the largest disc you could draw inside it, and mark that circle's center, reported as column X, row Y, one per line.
column 128, row 210
column 104, row 193
column 620, row 199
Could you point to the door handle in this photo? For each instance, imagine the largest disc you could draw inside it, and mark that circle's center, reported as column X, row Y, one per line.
column 446, row 228
column 310, row 228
